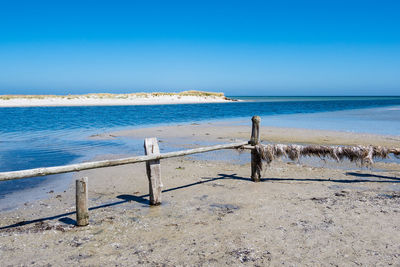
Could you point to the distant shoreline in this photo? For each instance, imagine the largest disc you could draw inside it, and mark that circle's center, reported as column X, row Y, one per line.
column 107, row 99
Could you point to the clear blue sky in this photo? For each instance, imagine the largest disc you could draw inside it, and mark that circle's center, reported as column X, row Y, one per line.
column 324, row 47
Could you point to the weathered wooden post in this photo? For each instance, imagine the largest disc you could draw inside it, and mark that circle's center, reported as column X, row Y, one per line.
column 153, row 169
column 255, row 140
column 82, row 211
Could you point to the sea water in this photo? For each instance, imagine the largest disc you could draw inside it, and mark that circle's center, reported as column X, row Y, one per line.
column 32, row 137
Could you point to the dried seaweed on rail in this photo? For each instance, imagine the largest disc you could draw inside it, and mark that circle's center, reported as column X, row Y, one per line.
column 363, row 155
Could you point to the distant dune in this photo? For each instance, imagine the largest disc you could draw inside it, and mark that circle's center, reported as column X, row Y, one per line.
column 105, row 99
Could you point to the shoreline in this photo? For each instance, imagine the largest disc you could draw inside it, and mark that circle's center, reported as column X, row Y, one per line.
column 187, row 97
column 185, row 136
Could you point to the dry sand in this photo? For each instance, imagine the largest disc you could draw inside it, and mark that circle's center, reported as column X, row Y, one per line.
column 213, row 215
column 109, row 100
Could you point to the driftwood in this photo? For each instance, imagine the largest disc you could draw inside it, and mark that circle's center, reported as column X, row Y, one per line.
column 4, row 176
column 363, row 155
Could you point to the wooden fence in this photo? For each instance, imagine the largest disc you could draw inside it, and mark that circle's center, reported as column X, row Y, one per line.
column 152, row 158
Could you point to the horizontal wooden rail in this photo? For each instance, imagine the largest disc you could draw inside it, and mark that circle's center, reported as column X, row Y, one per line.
column 4, row 176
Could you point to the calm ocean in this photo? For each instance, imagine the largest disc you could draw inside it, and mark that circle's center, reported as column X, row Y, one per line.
column 49, row 136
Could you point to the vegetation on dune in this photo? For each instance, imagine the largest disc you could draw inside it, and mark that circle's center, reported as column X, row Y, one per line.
column 116, row 96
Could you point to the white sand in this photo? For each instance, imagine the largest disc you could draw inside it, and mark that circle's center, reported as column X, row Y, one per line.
column 94, row 100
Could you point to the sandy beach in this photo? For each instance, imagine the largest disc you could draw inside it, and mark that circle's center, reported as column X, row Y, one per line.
column 212, row 214
column 187, row 97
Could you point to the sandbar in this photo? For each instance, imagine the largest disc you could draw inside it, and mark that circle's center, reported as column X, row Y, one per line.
column 106, row 99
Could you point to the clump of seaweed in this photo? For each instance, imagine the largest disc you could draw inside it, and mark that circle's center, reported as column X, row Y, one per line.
column 362, row 155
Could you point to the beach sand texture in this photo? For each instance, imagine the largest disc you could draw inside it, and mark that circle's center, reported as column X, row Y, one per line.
column 213, row 215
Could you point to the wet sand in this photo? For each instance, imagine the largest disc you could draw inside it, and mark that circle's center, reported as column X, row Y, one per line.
column 213, row 215
column 240, row 130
